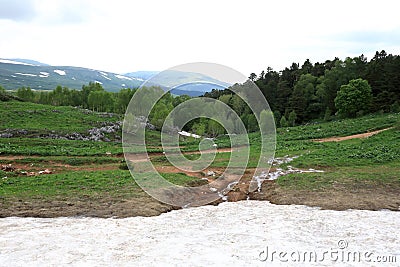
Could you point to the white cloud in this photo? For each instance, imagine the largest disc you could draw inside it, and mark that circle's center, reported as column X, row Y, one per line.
column 122, row 36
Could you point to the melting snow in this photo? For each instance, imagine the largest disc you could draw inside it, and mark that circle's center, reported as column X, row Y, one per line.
column 273, row 175
column 44, row 74
column 7, row 61
column 230, row 234
column 104, row 75
column 60, row 72
column 98, row 82
column 122, row 77
column 184, row 133
column 26, row 74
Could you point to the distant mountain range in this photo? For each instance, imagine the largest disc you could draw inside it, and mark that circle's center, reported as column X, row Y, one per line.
column 16, row 73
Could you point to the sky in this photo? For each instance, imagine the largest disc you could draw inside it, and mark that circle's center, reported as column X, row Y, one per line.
column 248, row 36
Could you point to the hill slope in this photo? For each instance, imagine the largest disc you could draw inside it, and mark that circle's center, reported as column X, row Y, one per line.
column 15, row 74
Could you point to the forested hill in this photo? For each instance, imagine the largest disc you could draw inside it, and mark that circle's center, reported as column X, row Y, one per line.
column 308, row 91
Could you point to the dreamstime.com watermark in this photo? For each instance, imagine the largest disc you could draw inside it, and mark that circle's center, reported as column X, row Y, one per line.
column 339, row 254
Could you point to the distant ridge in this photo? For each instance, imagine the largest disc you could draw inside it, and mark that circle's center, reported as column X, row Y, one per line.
column 16, row 73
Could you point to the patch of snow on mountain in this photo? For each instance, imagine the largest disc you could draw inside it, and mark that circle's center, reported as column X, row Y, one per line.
column 73, row 78
column 123, row 85
column 6, row 61
column 103, row 73
column 122, row 77
column 98, row 82
column 26, row 74
column 60, row 72
column 105, row 77
column 44, row 74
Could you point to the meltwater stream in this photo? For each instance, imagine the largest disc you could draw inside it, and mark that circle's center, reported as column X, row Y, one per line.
column 273, row 175
column 245, row 233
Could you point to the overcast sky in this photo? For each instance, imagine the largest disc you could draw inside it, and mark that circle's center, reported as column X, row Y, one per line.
column 123, row 36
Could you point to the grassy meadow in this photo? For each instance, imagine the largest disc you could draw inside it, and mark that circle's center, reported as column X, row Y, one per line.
column 95, row 170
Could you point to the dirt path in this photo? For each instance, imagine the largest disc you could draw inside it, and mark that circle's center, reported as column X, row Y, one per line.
column 354, row 136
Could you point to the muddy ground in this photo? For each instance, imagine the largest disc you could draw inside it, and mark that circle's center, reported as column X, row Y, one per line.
column 335, row 198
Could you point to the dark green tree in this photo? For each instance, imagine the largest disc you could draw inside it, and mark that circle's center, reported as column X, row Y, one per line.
column 353, row 98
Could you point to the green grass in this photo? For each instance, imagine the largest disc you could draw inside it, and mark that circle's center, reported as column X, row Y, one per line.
column 45, row 118
column 116, row 183
column 56, row 147
column 374, row 160
column 385, row 175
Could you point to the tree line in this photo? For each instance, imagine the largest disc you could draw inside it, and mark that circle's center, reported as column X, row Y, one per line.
column 92, row 96
column 296, row 95
column 300, row 94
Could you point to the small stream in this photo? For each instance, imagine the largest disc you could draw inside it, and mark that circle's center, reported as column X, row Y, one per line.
column 273, row 175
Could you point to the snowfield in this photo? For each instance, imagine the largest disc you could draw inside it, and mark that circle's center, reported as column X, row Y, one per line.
column 26, row 74
column 246, row 233
column 60, row 72
column 7, row 61
column 122, row 77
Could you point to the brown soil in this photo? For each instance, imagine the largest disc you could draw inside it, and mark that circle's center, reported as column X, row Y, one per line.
column 104, row 207
column 337, row 198
column 343, row 138
column 356, row 196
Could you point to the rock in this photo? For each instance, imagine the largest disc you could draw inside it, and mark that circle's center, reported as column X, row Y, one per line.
column 7, row 168
column 211, row 173
column 46, row 171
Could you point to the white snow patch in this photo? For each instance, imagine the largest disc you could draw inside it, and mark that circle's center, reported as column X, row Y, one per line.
column 103, row 73
column 60, row 72
column 184, row 133
column 123, row 77
column 123, row 85
column 7, row 61
column 44, row 74
column 107, row 78
column 98, row 82
column 73, row 78
column 26, row 74
column 230, row 234
column 273, row 175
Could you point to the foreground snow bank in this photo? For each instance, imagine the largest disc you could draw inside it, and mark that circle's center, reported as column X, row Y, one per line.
column 236, row 234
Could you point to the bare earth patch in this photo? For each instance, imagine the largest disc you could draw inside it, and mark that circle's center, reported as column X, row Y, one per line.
column 339, row 197
column 343, row 138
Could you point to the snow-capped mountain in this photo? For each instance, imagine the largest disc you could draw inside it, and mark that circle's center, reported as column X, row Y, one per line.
column 16, row 73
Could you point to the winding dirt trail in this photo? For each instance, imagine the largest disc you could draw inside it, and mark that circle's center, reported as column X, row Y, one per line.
column 354, row 136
